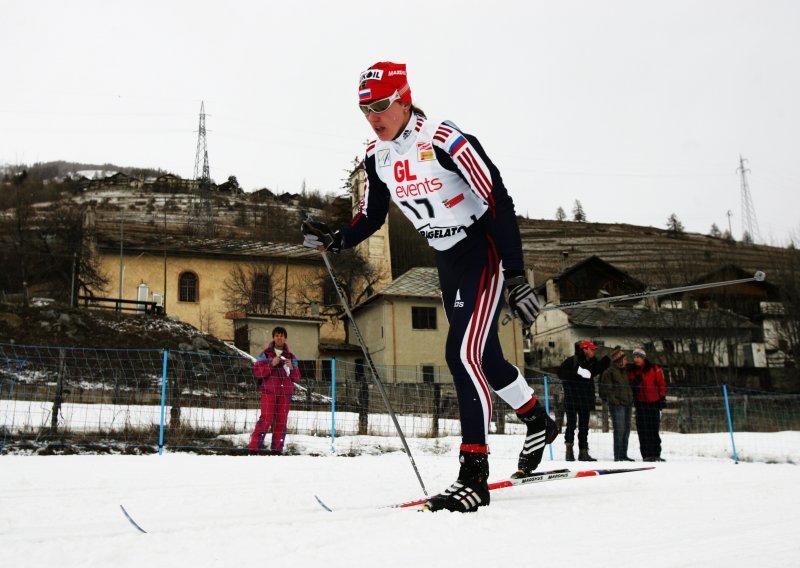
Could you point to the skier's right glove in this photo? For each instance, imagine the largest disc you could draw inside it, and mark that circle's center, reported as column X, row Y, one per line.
column 319, row 236
column 521, row 298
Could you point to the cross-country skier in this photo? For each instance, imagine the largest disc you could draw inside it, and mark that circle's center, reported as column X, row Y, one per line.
column 443, row 181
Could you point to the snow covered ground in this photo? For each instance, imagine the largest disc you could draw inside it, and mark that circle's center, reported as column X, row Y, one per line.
column 260, row 511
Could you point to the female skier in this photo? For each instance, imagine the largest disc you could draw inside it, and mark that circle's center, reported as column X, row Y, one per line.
column 443, row 181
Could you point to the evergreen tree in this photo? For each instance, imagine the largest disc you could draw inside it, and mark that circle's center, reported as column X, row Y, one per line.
column 578, row 214
column 715, row 232
column 674, row 226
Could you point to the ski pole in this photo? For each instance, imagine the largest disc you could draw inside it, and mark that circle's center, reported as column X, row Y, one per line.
column 759, row 276
column 372, row 368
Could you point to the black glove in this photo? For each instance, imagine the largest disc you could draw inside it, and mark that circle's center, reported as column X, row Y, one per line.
column 521, row 298
column 319, row 236
column 661, row 404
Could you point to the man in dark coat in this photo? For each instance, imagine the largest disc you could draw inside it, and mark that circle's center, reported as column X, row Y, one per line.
column 577, row 374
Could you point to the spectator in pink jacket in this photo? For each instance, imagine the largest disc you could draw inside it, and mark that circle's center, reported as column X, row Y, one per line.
column 276, row 371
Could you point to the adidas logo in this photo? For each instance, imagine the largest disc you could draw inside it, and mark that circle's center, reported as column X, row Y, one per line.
column 459, row 303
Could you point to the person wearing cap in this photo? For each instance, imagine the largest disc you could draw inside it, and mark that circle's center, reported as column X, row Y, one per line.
column 615, row 390
column 577, row 374
column 444, row 182
column 650, row 395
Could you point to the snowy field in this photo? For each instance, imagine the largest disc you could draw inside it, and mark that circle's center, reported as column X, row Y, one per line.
column 260, row 511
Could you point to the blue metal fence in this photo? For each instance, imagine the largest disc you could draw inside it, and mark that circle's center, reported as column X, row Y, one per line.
column 149, row 400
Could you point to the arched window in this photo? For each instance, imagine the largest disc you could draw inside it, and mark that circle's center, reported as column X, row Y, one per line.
column 261, row 297
column 187, row 287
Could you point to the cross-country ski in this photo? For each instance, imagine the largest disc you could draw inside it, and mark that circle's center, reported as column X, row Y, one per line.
column 552, row 475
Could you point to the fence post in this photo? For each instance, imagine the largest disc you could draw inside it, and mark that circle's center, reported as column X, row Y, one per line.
column 333, row 405
column 730, row 422
column 547, row 409
column 437, row 403
column 59, row 397
column 163, row 402
column 5, row 417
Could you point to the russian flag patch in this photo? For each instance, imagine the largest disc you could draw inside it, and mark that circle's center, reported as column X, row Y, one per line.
column 456, row 145
column 364, row 94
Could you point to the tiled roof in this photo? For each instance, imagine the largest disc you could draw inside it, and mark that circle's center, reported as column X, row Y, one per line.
column 185, row 245
column 419, row 282
column 639, row 318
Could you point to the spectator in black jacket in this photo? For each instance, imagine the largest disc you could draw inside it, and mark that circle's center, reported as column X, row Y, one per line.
column 577, row 374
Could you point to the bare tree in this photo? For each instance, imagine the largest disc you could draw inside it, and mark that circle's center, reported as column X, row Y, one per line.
column 251, row 288
column 356, row 277
column 560, row 215
column 787, row 279
column 692, row 335
column 48, row 248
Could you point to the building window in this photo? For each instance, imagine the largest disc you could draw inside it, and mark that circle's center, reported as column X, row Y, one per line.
column 241, row 335
column 693, row 347
column 428, row 375
column 330, row 297
column 423, row 318
column 262, row 293
column 669, row 345
column 187, row 287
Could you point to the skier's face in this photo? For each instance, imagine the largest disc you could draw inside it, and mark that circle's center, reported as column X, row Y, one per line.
column 387, row 125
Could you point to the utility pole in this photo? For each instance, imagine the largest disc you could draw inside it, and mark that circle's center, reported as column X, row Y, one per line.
column 749, row 221
column 164, row 297
column 121, row 254
column 202, row 218
column 730, row 214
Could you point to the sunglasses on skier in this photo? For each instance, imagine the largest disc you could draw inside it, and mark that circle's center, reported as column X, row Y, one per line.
column 382, row 105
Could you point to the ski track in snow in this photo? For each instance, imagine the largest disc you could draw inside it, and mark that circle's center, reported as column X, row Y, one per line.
column 223, row 511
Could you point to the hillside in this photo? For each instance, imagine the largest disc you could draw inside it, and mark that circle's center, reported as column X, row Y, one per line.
column 652, row 255
column 59, row 325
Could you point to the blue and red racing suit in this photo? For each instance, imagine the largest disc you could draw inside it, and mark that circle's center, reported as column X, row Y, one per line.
column 447, row 186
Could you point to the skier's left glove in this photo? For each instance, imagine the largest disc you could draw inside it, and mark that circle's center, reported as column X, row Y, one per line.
column 521, row 298
column 319, row 236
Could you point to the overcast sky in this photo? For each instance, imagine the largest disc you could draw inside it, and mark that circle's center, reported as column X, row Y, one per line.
column 638, row 109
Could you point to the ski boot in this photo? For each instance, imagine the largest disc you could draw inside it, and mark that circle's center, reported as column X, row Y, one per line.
column 470, row 490
column 542, row 430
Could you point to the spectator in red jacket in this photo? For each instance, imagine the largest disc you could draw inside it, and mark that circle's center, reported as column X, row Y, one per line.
column 650, row 395
column 277, row 371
